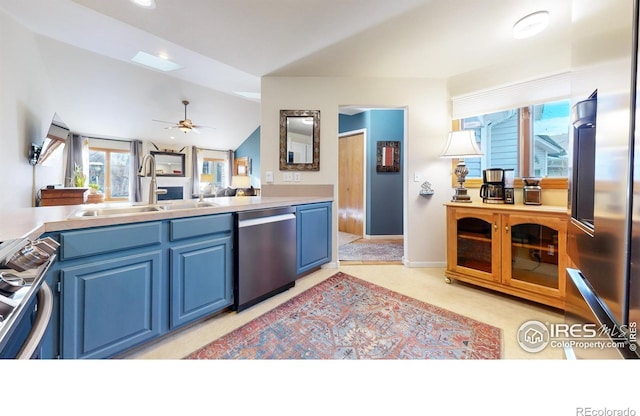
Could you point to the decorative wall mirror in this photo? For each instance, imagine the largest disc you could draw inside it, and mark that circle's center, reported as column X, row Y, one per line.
column 299, row 139
column 169, row 163
column 242, row 166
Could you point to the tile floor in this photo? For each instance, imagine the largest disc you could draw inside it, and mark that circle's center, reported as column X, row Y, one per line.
column 426, row 284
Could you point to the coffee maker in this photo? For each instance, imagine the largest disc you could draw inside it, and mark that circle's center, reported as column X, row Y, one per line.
column 498, row 186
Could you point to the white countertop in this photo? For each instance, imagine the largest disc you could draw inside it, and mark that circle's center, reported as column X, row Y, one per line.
column 33, row 222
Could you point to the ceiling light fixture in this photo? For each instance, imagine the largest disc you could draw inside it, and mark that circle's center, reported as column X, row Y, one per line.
column 145, row 4
column 531, row 25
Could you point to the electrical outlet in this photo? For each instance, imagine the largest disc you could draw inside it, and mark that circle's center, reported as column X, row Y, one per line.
column 296, row 177
column 269, row 177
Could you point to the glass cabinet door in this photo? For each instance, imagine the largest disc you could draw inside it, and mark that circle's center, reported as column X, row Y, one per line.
column 531, row 257
column 534, row 254
column 474, row 244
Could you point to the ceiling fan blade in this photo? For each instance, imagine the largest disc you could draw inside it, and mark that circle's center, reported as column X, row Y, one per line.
column 203, row 127
column 162, row 121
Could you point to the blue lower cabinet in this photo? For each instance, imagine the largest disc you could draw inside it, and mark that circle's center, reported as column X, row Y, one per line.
column 200, row 279
column 111, row 305
column 313, row 223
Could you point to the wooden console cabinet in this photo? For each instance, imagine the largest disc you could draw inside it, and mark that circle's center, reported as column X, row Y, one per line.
column 515, row 249
column 63, row 196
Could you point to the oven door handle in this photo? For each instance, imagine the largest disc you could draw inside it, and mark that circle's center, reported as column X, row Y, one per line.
column 43, row 315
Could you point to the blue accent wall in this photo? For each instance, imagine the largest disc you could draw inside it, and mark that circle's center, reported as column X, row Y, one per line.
column 384, row 191
column 251, row 149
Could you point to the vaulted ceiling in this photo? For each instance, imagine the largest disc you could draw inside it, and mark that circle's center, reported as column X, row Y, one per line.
column 226, row 46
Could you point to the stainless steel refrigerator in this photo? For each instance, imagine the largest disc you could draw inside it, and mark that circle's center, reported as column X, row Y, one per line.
column 603, row 282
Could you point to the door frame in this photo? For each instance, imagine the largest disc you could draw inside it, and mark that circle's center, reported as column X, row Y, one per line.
column 364, row 176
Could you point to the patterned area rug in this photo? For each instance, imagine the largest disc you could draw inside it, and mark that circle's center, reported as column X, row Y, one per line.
column 345, row 317
column 361, row 251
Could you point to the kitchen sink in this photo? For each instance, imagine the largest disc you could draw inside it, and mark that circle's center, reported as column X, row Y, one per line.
column 101, row 212
column 136, row 209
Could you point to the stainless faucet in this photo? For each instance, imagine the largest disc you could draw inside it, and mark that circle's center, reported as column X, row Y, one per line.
column 153, row 185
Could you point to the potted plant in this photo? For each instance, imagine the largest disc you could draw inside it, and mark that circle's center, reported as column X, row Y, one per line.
column 79, row 178
column 94, row 188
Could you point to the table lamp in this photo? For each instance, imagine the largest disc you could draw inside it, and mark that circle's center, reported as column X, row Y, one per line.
column 240, row 183
column 461, row 144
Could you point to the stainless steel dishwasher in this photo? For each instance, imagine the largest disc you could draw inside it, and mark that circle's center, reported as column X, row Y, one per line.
column 265, row 260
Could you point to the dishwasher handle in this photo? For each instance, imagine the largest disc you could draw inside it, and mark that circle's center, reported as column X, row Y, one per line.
column 265, row 220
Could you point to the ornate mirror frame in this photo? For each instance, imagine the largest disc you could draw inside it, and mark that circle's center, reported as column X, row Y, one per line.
column 286, row 155
column 165, row 160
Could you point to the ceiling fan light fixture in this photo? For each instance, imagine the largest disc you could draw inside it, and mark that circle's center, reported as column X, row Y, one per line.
column 531, row 25
column 145, row 4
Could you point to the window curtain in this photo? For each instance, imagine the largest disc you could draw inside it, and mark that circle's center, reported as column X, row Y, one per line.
column 136, row 184
column 196, row 168
column 507, row 97
column 77, row 154
column 230, row 167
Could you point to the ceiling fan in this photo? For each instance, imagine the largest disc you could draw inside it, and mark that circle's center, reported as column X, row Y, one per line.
column 185, row 125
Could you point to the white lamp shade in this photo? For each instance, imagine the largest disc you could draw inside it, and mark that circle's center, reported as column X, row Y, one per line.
column 240, row 182
column 461, row 144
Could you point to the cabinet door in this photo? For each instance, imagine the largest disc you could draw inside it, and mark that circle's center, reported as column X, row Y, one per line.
column 473, row 243
column 111, row 305
column 201, row 279
column 313, row 224
column 531, row 253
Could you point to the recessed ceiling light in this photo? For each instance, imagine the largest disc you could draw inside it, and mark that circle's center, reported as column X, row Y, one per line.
column 531, row 25
column 147, row 4
column 155, row 62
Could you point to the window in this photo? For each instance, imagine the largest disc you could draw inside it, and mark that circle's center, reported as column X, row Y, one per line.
column 110, row 169
column 531, row 140
column 213, row 175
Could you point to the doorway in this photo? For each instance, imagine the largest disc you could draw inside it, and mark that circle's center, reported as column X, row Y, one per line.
column 370, row 200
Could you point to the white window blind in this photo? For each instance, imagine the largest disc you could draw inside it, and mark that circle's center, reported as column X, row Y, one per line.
column 536, row 91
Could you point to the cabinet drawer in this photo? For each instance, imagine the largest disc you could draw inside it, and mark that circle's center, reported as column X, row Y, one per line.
column 90, row 242
column 199, row 226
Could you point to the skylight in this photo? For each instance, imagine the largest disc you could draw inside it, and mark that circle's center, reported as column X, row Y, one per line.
column 155, row 62
column 147, row 4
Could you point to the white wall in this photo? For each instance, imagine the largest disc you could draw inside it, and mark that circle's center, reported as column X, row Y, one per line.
column 428, row 121
column 26, row 111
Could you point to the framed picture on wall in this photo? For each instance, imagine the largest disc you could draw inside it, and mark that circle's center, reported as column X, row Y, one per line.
column 388, row 156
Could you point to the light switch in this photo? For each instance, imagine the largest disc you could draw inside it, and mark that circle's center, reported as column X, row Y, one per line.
column 287, row 177
column 416, row 177
column 269, row 176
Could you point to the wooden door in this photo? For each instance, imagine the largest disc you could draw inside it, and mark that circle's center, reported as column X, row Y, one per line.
column 351, row 184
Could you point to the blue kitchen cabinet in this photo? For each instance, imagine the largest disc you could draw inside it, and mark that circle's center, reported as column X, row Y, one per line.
column 111, row 286
column 118, row 287
column 201, row 276
column 110, row 305
column 313, row 235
